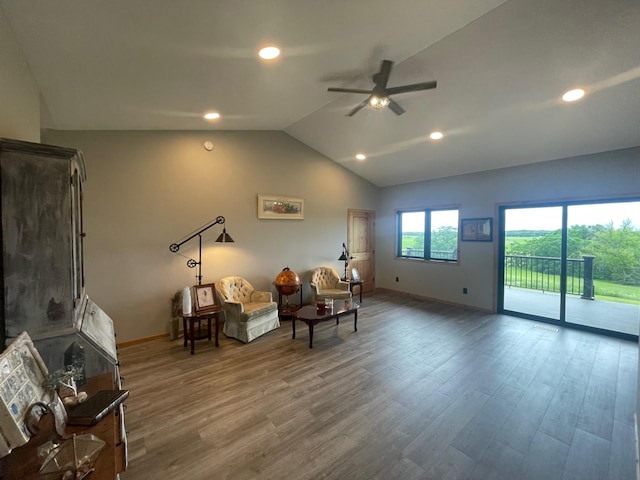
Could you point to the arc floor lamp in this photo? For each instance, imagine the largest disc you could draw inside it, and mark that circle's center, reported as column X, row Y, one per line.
column 224, row 237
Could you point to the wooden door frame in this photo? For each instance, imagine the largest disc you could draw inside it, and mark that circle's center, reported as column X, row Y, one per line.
column 369, row 284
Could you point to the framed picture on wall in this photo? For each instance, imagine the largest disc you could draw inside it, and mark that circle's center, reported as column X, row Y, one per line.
column 476, row 229
column 278, row 207
column 204, row 297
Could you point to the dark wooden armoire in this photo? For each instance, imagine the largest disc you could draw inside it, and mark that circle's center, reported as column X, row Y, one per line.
column 42, row 276
column 42, row 272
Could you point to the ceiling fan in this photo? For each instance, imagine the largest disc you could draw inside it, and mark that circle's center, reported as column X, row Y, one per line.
column 380, row 95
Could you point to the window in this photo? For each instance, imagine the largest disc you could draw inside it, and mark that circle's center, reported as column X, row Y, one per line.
column 440, row 244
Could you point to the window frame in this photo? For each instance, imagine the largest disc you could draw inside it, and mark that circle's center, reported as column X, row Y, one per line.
column 426, row 257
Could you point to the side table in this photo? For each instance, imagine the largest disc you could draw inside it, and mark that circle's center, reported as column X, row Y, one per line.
column 285, row 309
column 353, row 283
column 188, row 325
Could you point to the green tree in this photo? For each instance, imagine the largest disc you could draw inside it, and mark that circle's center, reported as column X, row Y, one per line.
column 444, row 239
column 617, row 253
column 550, row 245
column 413, row 240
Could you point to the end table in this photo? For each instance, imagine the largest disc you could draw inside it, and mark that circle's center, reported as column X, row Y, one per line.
column 353, row 283
column 188, row 326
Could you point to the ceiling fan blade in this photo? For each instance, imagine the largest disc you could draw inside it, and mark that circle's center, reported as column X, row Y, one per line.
column 348, row 90
column 357, row 109
column 382, row 77
column 414, row 87
column 395, row 107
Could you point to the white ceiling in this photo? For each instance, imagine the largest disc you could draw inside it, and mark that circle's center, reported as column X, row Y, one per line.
column 501, row 68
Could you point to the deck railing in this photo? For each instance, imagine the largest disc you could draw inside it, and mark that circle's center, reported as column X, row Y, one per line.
column 435, row 254
column 543, row 273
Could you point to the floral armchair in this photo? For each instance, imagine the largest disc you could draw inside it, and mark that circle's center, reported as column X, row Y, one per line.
column 248, row 313
column 325, row 283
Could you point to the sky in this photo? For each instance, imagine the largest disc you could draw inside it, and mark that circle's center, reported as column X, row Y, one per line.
column 549, row 218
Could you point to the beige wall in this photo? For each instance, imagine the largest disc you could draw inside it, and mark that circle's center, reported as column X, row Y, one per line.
column 607, row 175
column 146, row 190
column 19, row 95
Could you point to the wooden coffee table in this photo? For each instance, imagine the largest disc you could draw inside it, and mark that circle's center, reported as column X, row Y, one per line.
column 311, row 316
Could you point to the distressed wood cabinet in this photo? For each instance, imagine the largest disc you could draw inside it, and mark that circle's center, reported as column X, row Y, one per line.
column 41, row 209
column 41, row 274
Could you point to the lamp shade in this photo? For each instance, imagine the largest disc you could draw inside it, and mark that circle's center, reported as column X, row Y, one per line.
column 343, row 257
column 224, row 237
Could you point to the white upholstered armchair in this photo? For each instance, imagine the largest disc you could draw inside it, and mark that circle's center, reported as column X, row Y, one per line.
column 325, row 283
column 248, row 313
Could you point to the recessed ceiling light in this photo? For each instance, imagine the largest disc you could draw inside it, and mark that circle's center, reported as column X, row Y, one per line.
column 437, row 135
column 361, row 156
column 269, row 53
column 573, row 95
column 212, row 115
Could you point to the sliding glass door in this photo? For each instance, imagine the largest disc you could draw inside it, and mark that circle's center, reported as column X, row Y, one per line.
column 573, row 264
column 532, row 261
column 603, row 281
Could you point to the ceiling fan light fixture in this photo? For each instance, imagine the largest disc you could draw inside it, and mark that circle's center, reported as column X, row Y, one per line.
column 378, row 102
column 379, row 96
column 269, row 53
column 573, row 95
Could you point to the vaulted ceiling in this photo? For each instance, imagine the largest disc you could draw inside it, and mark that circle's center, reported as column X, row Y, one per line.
column 501, row 68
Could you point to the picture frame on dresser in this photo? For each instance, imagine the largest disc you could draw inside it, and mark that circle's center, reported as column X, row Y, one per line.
column 205, row 299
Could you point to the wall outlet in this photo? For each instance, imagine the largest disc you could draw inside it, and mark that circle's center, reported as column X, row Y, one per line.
column 397, row 279
column 465, row 291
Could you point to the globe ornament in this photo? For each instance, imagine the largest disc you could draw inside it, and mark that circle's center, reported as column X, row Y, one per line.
column 287, row 282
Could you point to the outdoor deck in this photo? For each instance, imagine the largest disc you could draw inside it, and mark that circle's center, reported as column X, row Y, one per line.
column 618, row 317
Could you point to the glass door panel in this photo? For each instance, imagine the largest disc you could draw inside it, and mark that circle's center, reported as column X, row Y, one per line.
column 532, row 261
column 603, row 266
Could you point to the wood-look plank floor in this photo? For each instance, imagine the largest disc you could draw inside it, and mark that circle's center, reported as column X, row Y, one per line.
column 420, row 391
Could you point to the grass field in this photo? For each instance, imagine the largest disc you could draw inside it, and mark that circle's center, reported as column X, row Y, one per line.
column 614, row 292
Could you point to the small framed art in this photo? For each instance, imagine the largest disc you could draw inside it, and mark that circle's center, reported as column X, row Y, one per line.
column 476, row 229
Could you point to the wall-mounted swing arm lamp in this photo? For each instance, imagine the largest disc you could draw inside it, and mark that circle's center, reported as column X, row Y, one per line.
column 345, row 258
column 224, row 237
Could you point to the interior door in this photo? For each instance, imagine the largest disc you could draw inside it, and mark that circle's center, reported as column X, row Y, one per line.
column 361, row 246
